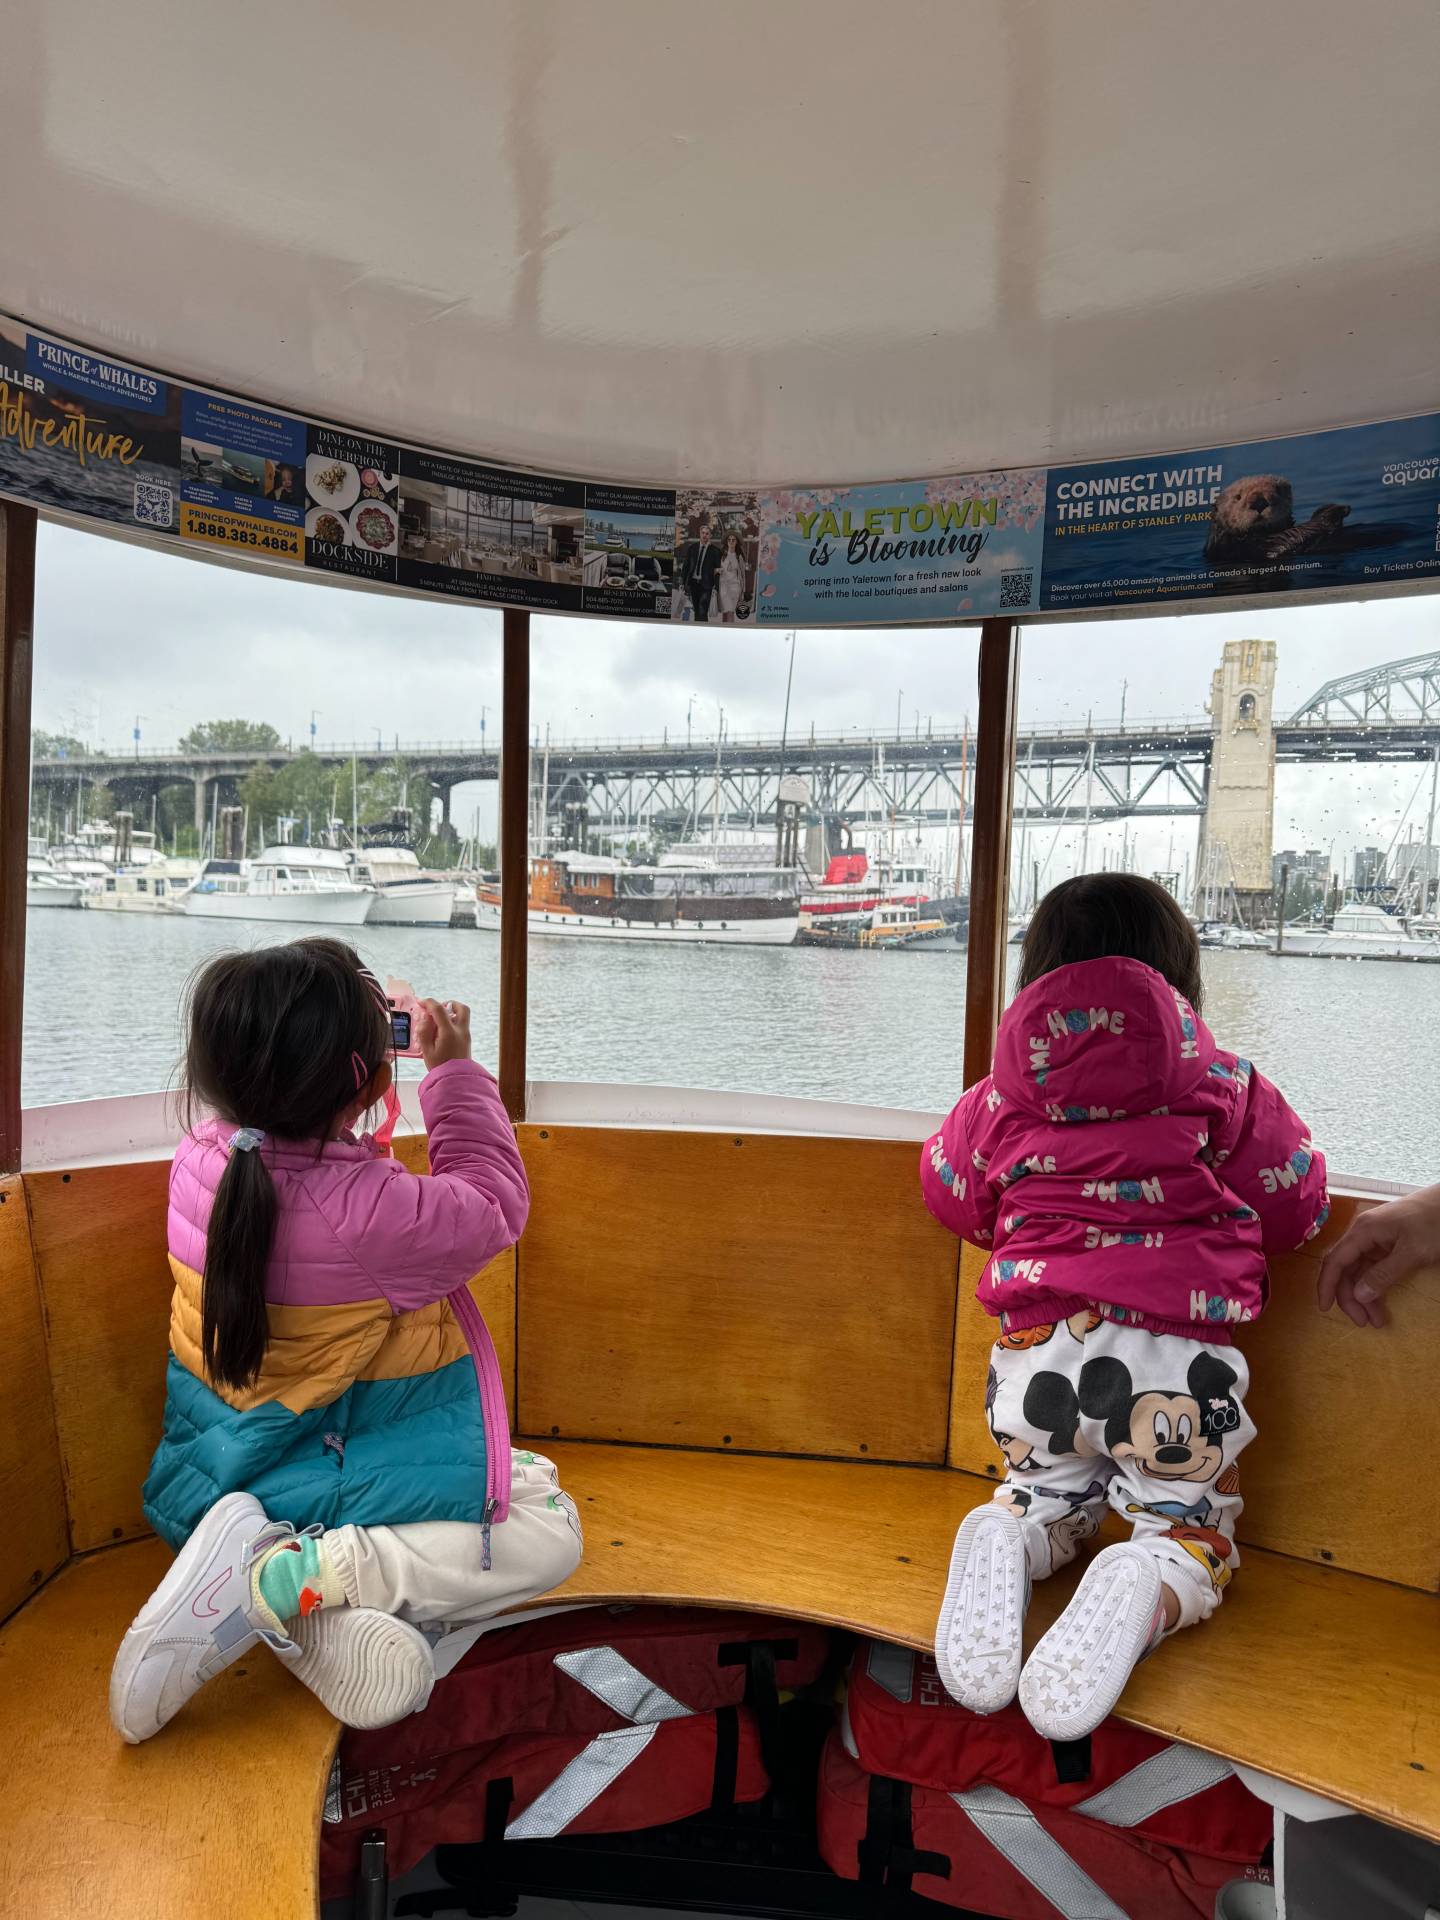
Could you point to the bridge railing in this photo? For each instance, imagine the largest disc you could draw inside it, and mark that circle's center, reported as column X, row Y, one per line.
column 842, row 740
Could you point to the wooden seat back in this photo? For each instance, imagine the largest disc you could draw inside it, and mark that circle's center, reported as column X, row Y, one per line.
column 748, row 1292
column 757, row 1293
column 32, row 1492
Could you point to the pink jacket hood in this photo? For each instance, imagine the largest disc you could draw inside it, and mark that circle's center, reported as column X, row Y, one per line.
column 1119, row 1162
column 1107, row 1035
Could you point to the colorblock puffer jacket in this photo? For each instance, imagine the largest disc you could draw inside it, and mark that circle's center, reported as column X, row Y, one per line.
column 380, row 1399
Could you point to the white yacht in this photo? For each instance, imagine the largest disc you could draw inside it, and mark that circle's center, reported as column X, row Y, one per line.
column 45, row 886
column 1360, row 932
column 108, row 844
column 311, row 885
column 1232, row 937
column 405, row 893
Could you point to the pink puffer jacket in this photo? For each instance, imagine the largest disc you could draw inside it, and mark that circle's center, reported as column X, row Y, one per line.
column 1118, row 1160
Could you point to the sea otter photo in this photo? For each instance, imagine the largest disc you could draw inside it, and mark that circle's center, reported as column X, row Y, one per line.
column 1254, row 521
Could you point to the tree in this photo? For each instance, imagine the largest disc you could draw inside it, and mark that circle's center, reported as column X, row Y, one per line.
column 230, row 736
column 304, row 789
column 56, row 746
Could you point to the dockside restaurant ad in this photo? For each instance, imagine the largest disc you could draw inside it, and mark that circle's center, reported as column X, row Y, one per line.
column 93, row 437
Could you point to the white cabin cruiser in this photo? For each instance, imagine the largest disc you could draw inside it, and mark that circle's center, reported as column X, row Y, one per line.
column 309, row 885
column 405, row 893
column 46, row 887
column 1360, row 932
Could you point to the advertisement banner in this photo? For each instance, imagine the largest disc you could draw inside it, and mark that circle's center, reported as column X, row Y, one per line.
column 630, row 552
column 83, row 434
column 1345, row 510
column 242, row 477
column 950, row 549
column 352, row 511
column 489, row 533
column 1352, row 508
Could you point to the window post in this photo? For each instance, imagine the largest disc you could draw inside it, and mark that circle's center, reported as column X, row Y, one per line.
column 990, row 841
column 17, row 611
column 514, row 853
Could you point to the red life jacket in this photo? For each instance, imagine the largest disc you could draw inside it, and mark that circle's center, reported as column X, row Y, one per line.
column 604, row 1720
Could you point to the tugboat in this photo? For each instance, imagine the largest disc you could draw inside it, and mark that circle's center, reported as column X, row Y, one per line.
column 852, row 889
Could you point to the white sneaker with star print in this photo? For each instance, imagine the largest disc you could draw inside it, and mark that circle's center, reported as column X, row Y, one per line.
column 1078, row 1671
column 977, row 1637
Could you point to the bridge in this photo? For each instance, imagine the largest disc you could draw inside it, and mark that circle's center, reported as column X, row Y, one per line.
column 1109, row 769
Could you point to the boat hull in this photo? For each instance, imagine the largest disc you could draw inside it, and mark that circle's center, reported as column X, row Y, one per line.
column 56, row 896
column 1323, row 946
column 337, row 909
column 777, row 932
column 412, row 906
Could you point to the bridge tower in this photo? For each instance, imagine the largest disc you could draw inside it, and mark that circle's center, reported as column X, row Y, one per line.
column 1238, row 826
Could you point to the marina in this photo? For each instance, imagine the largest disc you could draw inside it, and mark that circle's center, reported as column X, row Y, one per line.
column 883, row 1031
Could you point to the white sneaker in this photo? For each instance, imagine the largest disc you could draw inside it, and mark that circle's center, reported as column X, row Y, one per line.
column 368, row 1668
column 197, row 1621
column 1077, row 1673
column 977, row 1637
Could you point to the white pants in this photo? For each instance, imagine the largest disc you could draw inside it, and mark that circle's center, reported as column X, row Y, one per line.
column 432, row 1571
column 1093, row 1414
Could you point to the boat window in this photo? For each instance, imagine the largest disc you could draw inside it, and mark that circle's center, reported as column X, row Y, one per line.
column 1225, row 755
column 239, row 666
column 657, row 749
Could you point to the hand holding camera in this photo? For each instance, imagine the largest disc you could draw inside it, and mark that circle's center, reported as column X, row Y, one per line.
column 430, row 1030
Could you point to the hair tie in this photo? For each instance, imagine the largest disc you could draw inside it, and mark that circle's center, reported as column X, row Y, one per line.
column 245, row 1139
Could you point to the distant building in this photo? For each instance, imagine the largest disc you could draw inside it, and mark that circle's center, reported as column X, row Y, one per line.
column 1369, row 869
column 1312, row 864
column 1416, row 868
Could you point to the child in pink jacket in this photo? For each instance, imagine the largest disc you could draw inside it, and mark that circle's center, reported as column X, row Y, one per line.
column 1129, row 1179
column 335, row 1470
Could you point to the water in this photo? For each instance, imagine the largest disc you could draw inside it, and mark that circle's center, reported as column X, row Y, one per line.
column 1351, row 1042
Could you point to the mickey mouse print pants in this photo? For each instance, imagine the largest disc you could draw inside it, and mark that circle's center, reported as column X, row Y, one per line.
column 1087, row 1412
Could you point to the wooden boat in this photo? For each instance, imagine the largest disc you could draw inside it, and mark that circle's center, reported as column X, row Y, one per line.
column 770, row 248
column 592, row 896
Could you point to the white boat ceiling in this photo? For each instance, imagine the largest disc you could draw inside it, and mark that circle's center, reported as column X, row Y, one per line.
column 750, row 242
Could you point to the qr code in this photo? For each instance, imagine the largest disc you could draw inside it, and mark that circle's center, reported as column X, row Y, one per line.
column 1016, row 589
column 154, row 505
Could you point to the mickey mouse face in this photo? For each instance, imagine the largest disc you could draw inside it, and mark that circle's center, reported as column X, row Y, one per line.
column 1169, row 1436
column 1166, row 1440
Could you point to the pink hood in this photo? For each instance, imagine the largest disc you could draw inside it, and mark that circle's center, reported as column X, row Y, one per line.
column 1118, row 1160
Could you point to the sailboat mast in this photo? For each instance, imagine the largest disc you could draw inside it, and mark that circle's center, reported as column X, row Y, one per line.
column 960, row 818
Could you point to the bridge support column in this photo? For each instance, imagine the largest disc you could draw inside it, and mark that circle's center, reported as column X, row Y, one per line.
column 1237, row 831
column 202, row 801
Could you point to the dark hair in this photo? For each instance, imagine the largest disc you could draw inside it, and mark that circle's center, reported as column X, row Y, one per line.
column 1098, row 916
column 281, row 1039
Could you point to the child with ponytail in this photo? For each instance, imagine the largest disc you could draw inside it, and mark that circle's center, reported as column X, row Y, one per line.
column 335, row 1463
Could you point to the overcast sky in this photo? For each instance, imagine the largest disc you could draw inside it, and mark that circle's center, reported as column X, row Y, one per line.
column 121, row 630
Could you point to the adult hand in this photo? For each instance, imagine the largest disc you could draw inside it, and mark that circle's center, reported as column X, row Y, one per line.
column 1381, row 1248
column 444, row 1032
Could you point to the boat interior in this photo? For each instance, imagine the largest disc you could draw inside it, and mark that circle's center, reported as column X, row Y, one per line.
column 593, row 244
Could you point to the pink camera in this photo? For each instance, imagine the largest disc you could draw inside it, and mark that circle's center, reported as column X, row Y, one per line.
column 400, row 999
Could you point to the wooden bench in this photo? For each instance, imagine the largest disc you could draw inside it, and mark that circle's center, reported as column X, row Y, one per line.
column 771, row 1402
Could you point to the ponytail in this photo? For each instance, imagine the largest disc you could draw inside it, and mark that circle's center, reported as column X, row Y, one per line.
column 281, row 1041
column 234, row 1327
